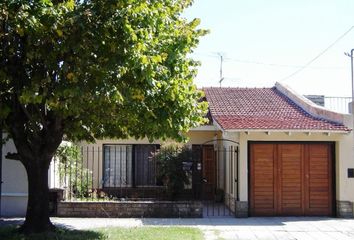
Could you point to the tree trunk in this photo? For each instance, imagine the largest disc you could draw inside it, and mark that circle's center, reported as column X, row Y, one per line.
column 37, row 215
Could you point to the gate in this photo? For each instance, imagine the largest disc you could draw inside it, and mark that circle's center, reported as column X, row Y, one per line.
column 216, row 176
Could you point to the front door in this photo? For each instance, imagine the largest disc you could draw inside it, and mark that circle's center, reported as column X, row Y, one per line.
column 209, row 172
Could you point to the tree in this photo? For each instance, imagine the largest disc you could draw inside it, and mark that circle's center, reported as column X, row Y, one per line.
column 85, row 70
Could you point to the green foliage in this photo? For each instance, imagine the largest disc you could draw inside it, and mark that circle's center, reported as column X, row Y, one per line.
column 139, row 233
column 95, row 69
column 152, row 233
column 73, row 176
column 170, row 162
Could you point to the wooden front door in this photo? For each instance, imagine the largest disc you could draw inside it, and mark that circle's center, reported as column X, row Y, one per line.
column 208, row 172
column 291, row 179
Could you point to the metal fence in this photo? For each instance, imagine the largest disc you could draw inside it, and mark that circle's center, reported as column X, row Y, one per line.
column 113, row 172
column 122, row 172
column 337, row 104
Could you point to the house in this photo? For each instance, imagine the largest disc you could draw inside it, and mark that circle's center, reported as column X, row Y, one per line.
column 265, row 152
column 295, row 157
column 271, row 151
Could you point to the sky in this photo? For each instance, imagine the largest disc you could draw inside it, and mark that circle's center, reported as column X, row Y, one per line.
column 265, row 41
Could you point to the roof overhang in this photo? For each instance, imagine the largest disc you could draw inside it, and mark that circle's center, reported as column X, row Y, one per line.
column 328, row 132
column 289, row 131
column 209, row 128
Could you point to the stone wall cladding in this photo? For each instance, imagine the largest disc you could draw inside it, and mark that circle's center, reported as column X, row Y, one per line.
column 229, row 201
column 345, row 209
column 127, row 209
column 241, row 209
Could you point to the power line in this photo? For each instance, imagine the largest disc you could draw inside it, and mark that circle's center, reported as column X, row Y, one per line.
column 276, row 64
column 318, row 55
column 228, row 59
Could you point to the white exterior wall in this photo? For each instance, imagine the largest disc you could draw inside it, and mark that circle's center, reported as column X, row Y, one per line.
column 14, row 192
column 201, row 137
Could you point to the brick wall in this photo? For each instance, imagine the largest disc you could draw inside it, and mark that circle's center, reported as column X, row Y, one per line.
column 185, row 209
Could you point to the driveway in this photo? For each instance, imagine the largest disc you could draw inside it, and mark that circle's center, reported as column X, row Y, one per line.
column 278, row 228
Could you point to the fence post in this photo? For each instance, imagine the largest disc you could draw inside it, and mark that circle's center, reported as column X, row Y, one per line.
column 92, row 171
column 0, row 166
column 87, row 173
column 98, row 173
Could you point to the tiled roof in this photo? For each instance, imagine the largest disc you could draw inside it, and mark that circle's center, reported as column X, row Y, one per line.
column 261, row 108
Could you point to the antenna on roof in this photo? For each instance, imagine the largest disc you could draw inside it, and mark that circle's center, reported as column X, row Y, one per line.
column 221, row 61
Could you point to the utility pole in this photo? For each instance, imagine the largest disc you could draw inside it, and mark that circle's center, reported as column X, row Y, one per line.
column 221, row 62
column 352, row 76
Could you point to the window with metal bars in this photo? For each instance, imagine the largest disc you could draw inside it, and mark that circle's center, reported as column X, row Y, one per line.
column 117, row 165
column 129, row 165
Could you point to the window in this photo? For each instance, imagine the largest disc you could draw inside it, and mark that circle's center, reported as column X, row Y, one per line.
column 117, row 165
column 129, row 165
column 145, row 165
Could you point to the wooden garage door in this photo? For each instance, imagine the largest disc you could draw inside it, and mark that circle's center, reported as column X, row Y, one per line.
column 291, row 179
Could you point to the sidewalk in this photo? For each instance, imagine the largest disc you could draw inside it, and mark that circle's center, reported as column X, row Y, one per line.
column 277, row 228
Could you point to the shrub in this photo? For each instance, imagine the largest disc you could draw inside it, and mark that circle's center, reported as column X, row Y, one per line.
column 170, row 168
column 73, row 176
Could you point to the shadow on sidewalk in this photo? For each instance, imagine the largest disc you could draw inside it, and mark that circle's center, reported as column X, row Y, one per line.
column 11, row 221
column 230, row 221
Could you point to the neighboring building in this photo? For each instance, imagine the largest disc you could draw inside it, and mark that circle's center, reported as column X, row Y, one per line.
column 268, row 151
column 336, row 104
column 318, row 99
column 14, row 193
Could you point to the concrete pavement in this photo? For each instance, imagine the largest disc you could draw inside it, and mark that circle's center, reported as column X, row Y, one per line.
column 277, row 228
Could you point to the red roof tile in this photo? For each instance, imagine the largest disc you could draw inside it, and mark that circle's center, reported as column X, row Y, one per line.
column 261, row 108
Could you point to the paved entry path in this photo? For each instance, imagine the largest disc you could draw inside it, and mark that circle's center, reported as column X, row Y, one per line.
column 277, row 228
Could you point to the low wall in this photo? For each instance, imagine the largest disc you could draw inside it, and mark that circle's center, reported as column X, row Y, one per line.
column 345, row 209
column 127, row 209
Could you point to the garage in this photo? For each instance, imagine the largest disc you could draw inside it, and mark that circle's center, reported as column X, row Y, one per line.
column 291, row 179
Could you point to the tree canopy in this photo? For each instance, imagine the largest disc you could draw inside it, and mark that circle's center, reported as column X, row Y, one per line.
column 91, row 69
column 101, row 68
